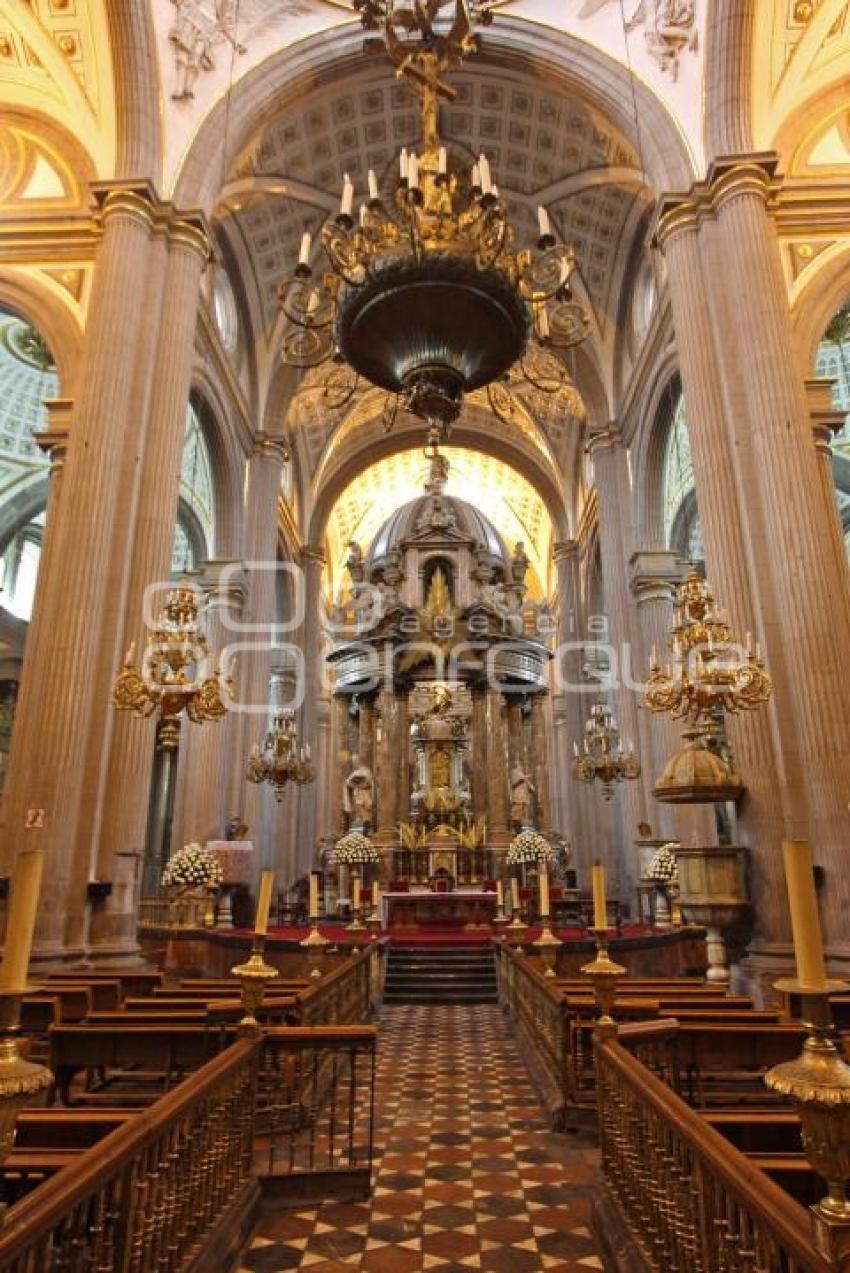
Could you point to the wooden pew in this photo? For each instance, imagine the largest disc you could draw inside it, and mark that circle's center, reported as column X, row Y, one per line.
column 75, row 1001
column 67, row 1128
column 104, row 995
column 773, row 1131
column 728, row 1059
column 156, row 1054
column 133, row 981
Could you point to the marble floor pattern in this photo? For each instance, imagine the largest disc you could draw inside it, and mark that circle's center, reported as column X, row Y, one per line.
column 467, row 1174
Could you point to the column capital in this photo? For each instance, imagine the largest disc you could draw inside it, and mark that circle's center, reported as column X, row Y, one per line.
column 270, row 447
column 727, row 177
column 609, row 438
column 53, row 440
column 564, row 549
column 826, row 418
column 311, row 555
column 654, row 573
column 222, row 581
column 189, row 228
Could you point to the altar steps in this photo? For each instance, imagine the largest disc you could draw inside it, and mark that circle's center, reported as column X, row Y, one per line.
column 440, row 974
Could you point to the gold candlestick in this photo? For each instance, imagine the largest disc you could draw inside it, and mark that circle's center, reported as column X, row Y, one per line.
column 604, row 975
column 547, row 944
column 818, row 1083
column 316, row 943
column 20, row 1080
column 254, row 976
column 515, row 930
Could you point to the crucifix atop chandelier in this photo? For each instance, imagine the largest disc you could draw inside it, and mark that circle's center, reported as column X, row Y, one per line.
column 431, row 299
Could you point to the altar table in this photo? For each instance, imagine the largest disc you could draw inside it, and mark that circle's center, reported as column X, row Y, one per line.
column 474, row 907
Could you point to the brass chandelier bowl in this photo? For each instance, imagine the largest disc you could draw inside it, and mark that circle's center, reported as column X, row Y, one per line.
column 428, row 296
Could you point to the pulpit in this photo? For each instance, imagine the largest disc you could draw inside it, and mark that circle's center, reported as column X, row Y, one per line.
column 236, row 859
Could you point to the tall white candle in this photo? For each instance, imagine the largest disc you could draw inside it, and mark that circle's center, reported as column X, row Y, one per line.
column 304, row 254
column 347, row 200
column 514, row 894
column 264, row 902
column 484, row 169
column 543, row 221
column 413, row 172
column 476, row 175
column 403, row 163
column 314, row 895
column 543, row 889
column 373, row 184
column 441, row 161
column 355, row 893
column 376, row 899
column 500, row 894
column 23, row 908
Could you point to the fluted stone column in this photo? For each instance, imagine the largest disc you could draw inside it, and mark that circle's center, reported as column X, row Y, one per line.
column 204, row 813
column 387, row 757
column 798, row 523
column 614, row 499
column 654, row 575
column 342, row 757
column 495, row 731
column 142, row 557
column 516, row 738
column 574, row 812
column 282, row 815
column 766, row 522
column 826, row 421
column 65, row 687
column 252, row 667
column 312, row 561
column 479, row 753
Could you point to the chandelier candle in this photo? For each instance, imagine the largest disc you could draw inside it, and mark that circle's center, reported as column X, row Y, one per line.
column 600, row 905
column 26, row 885
column 373, row 184
column 805, row 922
column 304, row 254
column 264, row 902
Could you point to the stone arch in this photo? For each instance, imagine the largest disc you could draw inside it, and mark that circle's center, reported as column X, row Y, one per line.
column 38, row 304
column 370, row 448
column 511, row 42
column 727, row 121
column 137, row 90
column 825, row 290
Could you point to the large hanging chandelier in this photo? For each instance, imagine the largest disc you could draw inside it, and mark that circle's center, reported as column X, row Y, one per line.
column 603, row 758
column 710, row 675
column 430, row 298
column 177, row 674
column 280, row 760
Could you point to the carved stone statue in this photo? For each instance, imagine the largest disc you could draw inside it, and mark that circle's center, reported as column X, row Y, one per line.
column 522, row 793
column 195, row 30
column 519, row 565
column 354, row 562
column 359, row 794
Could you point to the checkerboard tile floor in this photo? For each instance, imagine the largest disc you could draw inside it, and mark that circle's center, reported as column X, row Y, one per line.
column 467, row 1174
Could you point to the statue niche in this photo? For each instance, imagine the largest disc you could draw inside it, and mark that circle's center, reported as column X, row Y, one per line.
column 358, row 796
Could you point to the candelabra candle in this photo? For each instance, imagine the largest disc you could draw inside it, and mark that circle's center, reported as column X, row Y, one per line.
column 543, row 889
column 600, row 902
column 264, row 901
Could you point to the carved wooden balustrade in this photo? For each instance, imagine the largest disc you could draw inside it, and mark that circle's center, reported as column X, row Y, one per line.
column 688, row 1200
column 177, row 1185
column 539, row 1014
column 157, row 1193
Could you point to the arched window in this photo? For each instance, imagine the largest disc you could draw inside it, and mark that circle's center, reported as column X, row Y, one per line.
column 833, row 360
column 682, row 529
column 193, row 534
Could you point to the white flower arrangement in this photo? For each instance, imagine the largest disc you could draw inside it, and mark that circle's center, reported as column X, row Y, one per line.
column 355, row 849
column 663, row 868
column 193, row 866
column 529, row 846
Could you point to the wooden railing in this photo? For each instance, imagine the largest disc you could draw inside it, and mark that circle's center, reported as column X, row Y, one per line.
column 162, row 911
column 347, row 994
column 316, row 1109
column 539, row 1015
column 690, row 1200
column 155, row 1194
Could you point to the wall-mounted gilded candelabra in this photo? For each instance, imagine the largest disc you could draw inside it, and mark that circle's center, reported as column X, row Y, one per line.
column 604, row 758
column 280, row 760
column 176, row 675
column 710, row 676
